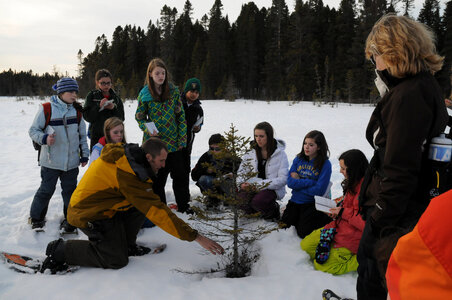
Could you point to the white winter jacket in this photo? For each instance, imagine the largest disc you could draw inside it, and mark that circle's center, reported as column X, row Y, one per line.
column 70, row 137
column 276, row 169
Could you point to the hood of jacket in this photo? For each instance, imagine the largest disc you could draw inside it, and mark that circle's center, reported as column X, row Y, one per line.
column 135, row 159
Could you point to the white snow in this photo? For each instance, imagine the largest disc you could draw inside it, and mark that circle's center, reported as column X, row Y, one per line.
column 283, row 271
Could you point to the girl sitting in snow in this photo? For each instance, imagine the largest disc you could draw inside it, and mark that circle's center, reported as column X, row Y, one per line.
column 268, row 161
column 113, row 133
column 334, row 247
column 309, row 176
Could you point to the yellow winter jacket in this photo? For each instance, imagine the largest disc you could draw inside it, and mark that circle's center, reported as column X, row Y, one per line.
column 118, row 181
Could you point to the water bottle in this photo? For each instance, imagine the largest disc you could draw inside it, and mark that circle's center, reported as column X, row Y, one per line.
column 440, row 149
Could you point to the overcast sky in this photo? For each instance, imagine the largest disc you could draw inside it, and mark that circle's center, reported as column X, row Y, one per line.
column 47, row 34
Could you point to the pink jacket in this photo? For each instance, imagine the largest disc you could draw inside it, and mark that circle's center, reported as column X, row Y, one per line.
column 349, row 226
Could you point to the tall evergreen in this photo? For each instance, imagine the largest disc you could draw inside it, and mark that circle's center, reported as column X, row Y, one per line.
column 184, row 42
column 445, row 75
column 216, row 63
column 199, row 52
column 274, row 68
column 430, row 16
column 168, row 44
column 344, row 60
column 248, row 50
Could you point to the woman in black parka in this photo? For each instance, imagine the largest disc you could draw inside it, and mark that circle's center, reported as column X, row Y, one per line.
column 410, row 113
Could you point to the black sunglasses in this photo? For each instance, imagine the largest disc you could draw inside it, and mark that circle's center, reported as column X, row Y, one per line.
column 215, row 148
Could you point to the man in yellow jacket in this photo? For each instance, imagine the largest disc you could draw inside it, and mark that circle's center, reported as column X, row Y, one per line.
column 110, row 204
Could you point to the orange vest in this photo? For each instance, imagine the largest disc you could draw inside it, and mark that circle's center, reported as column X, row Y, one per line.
column 420, row 266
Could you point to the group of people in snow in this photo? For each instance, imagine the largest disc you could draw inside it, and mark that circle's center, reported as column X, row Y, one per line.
column 125, row 183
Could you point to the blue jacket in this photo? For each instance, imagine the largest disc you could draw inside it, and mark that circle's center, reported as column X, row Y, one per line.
column 70, row 146
column 311, row 183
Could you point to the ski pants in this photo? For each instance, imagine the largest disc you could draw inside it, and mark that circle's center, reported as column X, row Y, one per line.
column 108, row 242
column 263, row 201
column 49, row 178
column 176, row 166
column 304, row 217
column 370, row 284
column 340, row 261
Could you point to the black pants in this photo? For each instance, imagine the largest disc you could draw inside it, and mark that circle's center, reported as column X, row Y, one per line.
column 108, row 243
column 304, row 217
column 176, row 166
column 370, row 282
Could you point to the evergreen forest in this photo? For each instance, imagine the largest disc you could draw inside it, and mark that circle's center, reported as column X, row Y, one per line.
column 313, row 53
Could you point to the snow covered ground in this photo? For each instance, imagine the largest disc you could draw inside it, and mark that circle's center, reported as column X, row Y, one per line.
column 283, row 271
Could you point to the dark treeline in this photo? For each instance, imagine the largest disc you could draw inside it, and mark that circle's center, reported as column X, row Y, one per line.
column 313, row 53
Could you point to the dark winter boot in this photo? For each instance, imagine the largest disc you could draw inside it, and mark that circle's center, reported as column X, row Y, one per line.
column 136, row 250
column 330, row 295
column 35, row 223
column 65, row 227
column 55, row 260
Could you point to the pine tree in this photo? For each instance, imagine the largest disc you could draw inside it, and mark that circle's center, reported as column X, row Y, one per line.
column 152, row 42
column 248, row 49
column 444, row 76
column 183, row 38
column 429, row 15
column 217, row 58
column 168, row 44
column 274, row 68
column 408, row 5
column 235, row 230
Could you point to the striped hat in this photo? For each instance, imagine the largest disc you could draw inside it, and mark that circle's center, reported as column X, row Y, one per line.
column 65, row 84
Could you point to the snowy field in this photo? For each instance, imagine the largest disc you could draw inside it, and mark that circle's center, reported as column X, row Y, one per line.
column 283, row 271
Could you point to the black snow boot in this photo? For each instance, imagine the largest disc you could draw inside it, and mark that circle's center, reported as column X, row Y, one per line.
column 136, row 250
column 65, row 227
column 55, row 260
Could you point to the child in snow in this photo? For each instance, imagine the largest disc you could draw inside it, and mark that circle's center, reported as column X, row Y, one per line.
column 159, row 102
column 101, row 104
column 209, row 167
column 334, row 246
column 309, row 176
column 63, row 149
column 268, row 160
column 193, row 110
column 113, row 133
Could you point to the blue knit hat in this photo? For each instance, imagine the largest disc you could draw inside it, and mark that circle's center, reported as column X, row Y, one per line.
column 65, row 84
column 193, row 84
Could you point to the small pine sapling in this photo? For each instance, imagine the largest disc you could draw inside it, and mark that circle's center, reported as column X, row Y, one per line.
column 230, row 225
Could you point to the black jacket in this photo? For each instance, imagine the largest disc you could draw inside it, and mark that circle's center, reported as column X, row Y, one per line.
column 222, row 166
column 97, row 118
column 192, row 114
column 400, row 128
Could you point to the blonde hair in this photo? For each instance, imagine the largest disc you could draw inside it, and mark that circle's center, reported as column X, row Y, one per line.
column 406, row 46
column 111, row 123
column 154, row 63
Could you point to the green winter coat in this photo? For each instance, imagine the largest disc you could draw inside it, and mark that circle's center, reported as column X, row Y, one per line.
column 168, row 117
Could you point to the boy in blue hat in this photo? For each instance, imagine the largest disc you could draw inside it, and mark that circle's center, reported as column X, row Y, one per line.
column 62, row 136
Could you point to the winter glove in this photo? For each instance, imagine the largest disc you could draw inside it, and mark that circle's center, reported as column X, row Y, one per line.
column 322, row 252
